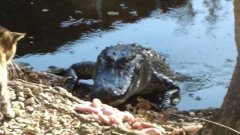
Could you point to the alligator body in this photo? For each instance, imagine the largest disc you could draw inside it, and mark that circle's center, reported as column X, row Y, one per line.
column 123, row 71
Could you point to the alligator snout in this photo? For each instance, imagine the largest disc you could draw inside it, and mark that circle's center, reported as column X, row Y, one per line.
column 105, row 93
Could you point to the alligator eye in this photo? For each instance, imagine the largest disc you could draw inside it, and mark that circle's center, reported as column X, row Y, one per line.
column 127, row 59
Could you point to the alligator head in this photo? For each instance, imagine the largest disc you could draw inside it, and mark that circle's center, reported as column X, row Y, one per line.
column 115, row 73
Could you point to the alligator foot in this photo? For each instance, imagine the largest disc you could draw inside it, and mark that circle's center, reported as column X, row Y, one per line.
column 82, row 70
column 70, row 83
column 170, row 98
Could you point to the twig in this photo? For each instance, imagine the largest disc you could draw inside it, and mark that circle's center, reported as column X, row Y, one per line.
column 29, row 92
column 209, row 121
column 33, row 85
column 60, row 109
column 63, row 94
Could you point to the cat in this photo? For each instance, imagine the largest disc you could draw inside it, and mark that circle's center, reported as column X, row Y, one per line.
column 8, row 46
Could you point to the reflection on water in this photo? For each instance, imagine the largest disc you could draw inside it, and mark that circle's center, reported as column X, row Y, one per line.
column 51, row 24
column 197, row 37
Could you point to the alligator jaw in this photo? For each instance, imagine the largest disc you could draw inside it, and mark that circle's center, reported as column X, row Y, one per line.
column 117, row 102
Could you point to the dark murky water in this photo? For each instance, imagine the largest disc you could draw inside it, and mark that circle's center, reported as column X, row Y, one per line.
column 197, row 36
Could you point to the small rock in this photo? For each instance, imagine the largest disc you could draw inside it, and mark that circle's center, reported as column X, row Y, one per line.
column 192, row 114
column 21, row 99
column 20, row 119
column 17, row 104
column 31, row 130
column 21, row 104
column 27, row 91
column 46, row 116
column 180, row 120
column 19, row 88
column 1, row 117
column 14, row 126
column 200, row 114
column 37, row 90
column 30, row 101
column 19, row 131
column 19, row 112
column 13, row 95
column 30, row 108
column 20, row 94
column 54, row 119
column 1, row 132
column 68, row 102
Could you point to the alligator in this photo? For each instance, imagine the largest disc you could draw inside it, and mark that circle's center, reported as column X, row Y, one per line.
column 123, row 71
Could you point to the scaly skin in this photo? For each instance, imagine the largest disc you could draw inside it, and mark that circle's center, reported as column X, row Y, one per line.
column 123, row 71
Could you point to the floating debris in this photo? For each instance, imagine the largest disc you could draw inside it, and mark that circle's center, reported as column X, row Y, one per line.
column 123, row 6
column 133, row 13
column 112, row 13
column 45, row 10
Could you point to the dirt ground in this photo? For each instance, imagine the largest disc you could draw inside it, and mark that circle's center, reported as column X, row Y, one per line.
column 42, row 106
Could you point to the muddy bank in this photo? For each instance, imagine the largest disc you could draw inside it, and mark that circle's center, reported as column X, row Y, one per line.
column 44, row 107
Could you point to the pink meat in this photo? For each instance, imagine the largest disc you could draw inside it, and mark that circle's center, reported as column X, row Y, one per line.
column 107, row 110
column 96, row 103
column 129, row 117
column 109, row 115
column 117, row 118
column 104, row 119
column 86, row 108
